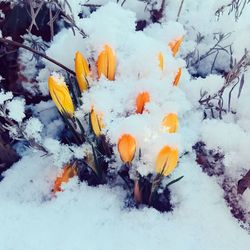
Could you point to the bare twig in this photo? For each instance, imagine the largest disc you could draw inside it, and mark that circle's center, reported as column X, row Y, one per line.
column 236, row 6
column 34, row 13
column 69, row 18
column 123, row 2
column 179, row 11
column 194, row 58
column 19, row 45
column 233, row 78
column 22, row 136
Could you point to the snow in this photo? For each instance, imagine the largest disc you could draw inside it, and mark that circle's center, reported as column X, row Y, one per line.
column 97, row 217
column 33, row 129
column 16, row 109
column 83, row 215
column 5, row 97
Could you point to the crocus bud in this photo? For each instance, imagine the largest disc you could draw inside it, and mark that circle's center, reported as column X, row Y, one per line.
column 137, row 192
column 106, row 63
column 175, row 45
column 166, row 160
column 96, row 122
column 161, row 61
column 170, row 122
column 69, row 171
column 141, row 100
column 82, row 71
column 59, row 93
column 177, row 77
column 126, row 148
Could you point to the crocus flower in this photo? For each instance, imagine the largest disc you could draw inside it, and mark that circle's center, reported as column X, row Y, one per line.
column 126, row 148
column 82, row 71
column 175, row 45
column 177, row 77
column 59, row 93
column 69, row 171
column 166, row 160
column 170, row 122
column 106, row 63
column 141, row 100
column 161, row 61
column 96, row 122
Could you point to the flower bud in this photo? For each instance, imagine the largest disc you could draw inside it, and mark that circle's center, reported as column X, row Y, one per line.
column 106, row 63
column 82, row 71
column 127, row 148
column 59, row 93
column 166, row 160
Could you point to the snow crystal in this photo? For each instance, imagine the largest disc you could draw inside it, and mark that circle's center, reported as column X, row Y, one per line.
column 16, row 108
column 33, row 128
column 63, row 153
column 59, row 78
column 5, row 97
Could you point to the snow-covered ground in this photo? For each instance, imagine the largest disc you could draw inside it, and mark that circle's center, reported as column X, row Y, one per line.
column 95, row 218
column 83, row 217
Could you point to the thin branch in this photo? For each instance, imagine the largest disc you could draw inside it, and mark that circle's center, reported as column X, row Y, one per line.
column 19, row 45
column 34, row 14
column 123, row 2
column 179, row 11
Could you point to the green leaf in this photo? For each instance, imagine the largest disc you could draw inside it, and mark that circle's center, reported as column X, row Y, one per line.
column 174, row 181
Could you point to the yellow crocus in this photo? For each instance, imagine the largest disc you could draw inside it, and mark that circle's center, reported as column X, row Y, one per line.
column 177, row 77
column 170, row 122
column 127, row 148
column 161, row 61
column 175, row 45
column 96, row 122
column 82, row 71
column 106, row 63
column 166, row 160
column 59, row 93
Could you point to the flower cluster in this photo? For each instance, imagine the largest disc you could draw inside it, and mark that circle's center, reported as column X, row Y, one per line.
column 67, row 99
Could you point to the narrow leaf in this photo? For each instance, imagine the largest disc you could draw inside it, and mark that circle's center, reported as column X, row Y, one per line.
column 242, row 81
column 174, row 181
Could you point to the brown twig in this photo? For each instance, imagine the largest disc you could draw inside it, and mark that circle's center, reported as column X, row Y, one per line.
column 34, row 13
column 123, row 2
column 236, row 6
column 179, row 11
column 19, row 45
column 232, row 79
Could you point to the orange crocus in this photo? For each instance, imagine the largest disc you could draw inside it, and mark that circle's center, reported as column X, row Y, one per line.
column 68, row 172
column 141, row 100
column 82, row 71
column 106, row 63
column 175, row 45
column 177, row 77
column 170, row 122
column 127, row 148
column 161, row 61
column 166, row 160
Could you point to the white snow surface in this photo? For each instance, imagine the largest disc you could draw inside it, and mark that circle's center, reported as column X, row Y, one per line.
column 95, row 218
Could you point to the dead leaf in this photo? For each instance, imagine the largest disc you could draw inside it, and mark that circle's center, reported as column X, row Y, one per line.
column 244, row 183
